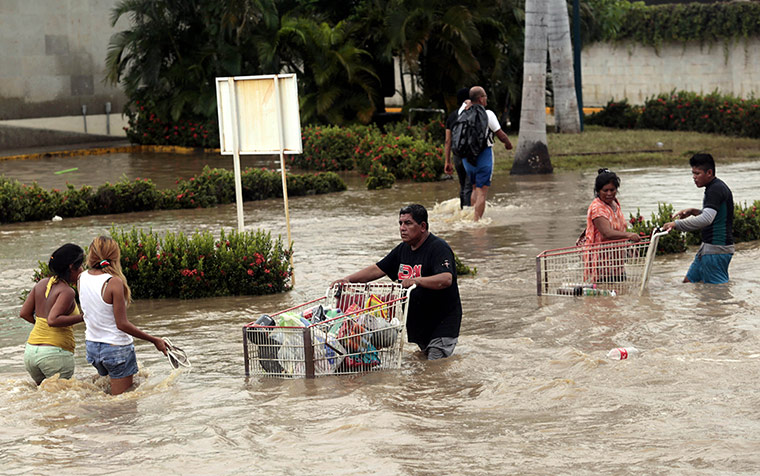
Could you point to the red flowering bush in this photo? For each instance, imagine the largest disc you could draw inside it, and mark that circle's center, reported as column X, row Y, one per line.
column 201, row 265
column 404, row 157
column 746, row 227
column 406, row 153
column 328, row 147
column 148, row 126
column 686, row 111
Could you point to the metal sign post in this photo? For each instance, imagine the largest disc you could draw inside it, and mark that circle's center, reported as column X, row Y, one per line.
column 247, row 106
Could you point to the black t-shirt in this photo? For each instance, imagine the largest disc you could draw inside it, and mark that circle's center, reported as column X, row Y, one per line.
column 432, row 312
column 452, row 119
column 719, row 197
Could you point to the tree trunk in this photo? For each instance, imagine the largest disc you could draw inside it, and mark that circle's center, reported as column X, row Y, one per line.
column 567, row 118
column 532, row 154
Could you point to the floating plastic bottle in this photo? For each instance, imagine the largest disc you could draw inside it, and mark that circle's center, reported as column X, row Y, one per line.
column 599, row 292
column 584, row 290
column 623, row 353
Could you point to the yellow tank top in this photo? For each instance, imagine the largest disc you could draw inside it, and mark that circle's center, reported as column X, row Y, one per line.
column 42, row 333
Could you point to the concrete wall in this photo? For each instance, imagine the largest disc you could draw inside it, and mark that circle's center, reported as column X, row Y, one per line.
column 52, row 57
column 636, row 72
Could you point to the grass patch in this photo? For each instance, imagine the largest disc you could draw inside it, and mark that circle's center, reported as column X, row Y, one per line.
column 677, row 147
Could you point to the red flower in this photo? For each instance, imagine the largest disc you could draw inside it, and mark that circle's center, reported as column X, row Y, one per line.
column 250, row 272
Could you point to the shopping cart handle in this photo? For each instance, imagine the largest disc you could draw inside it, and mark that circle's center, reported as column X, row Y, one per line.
column 657, row 232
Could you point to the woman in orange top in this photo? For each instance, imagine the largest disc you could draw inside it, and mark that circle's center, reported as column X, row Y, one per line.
column 605, row 222
column 52, row 308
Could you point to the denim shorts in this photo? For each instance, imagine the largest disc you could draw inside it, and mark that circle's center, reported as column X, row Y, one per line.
column 116, row 361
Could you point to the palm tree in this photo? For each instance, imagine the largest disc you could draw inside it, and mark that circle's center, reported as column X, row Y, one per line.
column 174, row 49
column 337, row 78
column 532, row 154
column 566, row 115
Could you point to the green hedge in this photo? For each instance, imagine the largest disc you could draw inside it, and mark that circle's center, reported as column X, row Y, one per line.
column 21, row 202
column 405, row 156
column 681, row 23
column 685, row 111
column 746, row 227
column 200, row 265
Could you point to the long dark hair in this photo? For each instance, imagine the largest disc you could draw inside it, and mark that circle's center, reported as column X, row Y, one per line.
column 64, row 258
column 605, row 176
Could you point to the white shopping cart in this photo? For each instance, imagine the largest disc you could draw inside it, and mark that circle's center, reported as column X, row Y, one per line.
column 609, row 268
column 365, row 334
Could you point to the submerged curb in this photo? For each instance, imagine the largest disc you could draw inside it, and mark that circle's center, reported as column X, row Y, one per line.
column 167, row 149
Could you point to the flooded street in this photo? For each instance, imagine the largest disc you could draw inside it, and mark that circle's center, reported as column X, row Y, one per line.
column 528, row 390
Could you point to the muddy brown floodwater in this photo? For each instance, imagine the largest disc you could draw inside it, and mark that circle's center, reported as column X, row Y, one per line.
column 528, row 391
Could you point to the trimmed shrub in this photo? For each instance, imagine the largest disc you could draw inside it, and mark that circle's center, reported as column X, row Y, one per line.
column 673, row 242
column 685, row 111
column 618, row 114
column 211, row 187
column 404, row 156
column 329, row 147
column 199, row 265
column 746, row 227
column 379, row 177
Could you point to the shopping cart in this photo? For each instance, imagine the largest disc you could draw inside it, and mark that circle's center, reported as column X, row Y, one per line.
column 609, row 268
column 362, row 331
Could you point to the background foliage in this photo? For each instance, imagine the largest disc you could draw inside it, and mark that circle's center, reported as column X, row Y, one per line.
column 686, row 111
column 677, row 22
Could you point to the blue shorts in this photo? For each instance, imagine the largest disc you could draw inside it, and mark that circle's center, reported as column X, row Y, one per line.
column 117, row 361
column 480, row 174
column 712, row 269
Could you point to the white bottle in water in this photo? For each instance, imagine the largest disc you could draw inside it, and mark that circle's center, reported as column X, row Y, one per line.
column 623, row 353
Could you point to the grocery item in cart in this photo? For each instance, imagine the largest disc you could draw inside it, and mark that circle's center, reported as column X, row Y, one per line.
column 328, row 353
column 315, row 314
column 381, row 312
column 354, row 338
column 267, row 344
column 382, row 333
column 290, row 355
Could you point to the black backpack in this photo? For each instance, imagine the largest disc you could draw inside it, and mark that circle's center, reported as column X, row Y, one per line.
column 468, row 134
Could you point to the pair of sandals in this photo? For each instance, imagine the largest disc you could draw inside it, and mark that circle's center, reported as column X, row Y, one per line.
column 177, row 357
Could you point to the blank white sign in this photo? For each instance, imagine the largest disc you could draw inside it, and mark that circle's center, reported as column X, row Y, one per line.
column 257, row 116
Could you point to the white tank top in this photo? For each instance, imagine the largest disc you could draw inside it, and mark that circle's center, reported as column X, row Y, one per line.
column 100, row 324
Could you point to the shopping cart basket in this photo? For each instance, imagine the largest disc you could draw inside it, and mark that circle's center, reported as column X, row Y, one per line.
column 362, row 331
column 609, row 268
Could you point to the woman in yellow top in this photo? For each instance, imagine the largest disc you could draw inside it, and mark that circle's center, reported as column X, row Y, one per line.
column 51, row 306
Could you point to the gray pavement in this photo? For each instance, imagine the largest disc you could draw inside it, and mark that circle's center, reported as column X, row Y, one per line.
column 55, row 135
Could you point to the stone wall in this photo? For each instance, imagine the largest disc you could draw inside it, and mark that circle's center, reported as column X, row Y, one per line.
column 629, row 70
column 52, row 57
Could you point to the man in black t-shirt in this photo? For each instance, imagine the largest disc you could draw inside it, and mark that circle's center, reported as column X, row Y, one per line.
column 424, row 260
column 715, row 219
column 465, row 185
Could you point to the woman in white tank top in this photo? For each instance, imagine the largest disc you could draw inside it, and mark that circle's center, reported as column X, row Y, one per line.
column 105, row 295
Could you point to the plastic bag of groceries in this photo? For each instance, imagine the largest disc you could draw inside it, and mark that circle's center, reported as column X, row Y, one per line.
column 290, row 355
column 328, row 352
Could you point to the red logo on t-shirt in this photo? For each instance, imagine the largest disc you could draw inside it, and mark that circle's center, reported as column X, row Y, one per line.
column 406, row 271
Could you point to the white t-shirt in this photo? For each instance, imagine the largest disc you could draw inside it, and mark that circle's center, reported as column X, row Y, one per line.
column 493, row 124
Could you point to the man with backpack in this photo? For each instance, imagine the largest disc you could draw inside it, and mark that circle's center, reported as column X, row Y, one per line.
column 465, row 185
column 472, row 138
